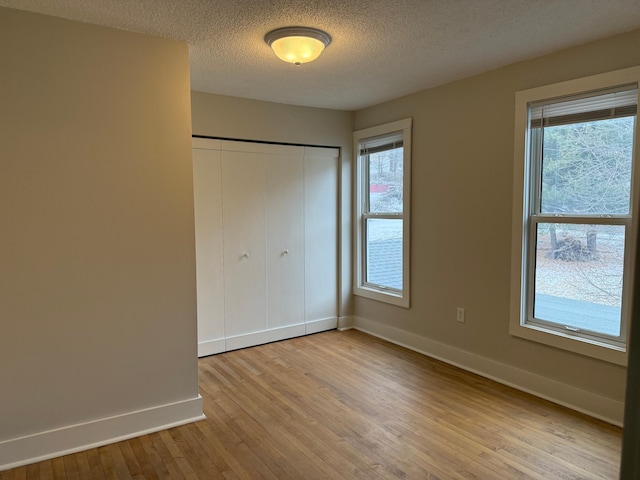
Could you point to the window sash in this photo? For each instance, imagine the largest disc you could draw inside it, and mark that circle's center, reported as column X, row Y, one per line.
column 535, row 141
column 366, row 181
column 531, row 247
column 366, row 251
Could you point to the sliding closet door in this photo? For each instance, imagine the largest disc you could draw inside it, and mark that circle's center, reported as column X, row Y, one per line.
column 207, row 186
column 285, row 241
column 321, row 238
column 244, row 227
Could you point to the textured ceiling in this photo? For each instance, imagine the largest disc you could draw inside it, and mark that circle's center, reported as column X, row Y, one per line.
column 381, row 49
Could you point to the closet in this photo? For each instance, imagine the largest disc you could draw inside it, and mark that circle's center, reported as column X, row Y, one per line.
column 266, row 242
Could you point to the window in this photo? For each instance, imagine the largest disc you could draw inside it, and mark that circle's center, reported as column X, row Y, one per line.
column 574, row 200
column 382, row 212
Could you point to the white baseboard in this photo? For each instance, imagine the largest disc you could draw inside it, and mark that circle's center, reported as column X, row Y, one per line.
column 210, row 347
column 83, row 436
column 264, row 336
column 346, row 323
column 597, row 406
column 321, row 325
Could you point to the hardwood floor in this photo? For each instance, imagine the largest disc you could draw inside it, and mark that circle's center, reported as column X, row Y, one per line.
column 344, row 405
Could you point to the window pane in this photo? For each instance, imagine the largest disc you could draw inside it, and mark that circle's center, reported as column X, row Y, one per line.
column 385, row 181
column 578, row 276
column 586, row 167
column 384, row 252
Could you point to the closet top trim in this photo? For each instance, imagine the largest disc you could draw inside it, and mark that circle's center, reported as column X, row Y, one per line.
column 267, row 148
column 263, row 142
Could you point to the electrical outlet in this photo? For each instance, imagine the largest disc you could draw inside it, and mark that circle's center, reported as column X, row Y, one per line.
column 460, row 315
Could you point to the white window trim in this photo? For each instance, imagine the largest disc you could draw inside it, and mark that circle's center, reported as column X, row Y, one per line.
column 566, row 341
column 359, row 287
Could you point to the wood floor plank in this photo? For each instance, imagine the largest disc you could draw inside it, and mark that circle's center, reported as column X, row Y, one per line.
column 45, row 471
column 20, row 473
column 123, row 471
column 58, row 468
column 195, row 455
column 155, row 464
column 33, row 472
column 71, row 468
column 220, row 450
column 199, row 451
column 169, row 461
column 187, row 468
column 147, row 469
column 9, row 475
column 350, row 406
column 84, row 469
column 108, row 464
column 95, row 464
column 125, row 460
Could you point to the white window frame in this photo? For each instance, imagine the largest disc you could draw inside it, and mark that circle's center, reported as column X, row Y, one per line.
column 614, row 352
column 360, row 286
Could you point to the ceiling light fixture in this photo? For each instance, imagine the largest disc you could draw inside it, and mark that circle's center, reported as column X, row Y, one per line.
column 297, row 45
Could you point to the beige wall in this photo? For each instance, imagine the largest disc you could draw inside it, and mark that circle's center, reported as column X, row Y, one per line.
column 244, row 119
column 97, row 269
column 462, row 198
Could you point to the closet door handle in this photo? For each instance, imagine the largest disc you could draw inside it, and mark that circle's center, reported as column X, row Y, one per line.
column 245, row 255
column 285, row 251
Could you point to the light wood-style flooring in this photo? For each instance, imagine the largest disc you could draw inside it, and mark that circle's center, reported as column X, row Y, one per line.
column 345, row 405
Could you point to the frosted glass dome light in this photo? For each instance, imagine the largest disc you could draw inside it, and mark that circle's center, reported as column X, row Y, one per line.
column 297, row 45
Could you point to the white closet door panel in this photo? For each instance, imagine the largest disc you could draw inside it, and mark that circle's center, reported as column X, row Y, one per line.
column 207, row 186
column 285, row 240
column 331, row 152
column 206, row 143
column 243, row 188
column 257, row 147
column 321, row 234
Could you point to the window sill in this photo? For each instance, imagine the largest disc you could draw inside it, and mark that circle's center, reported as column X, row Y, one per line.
column 567, row 341
column 400, row 300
